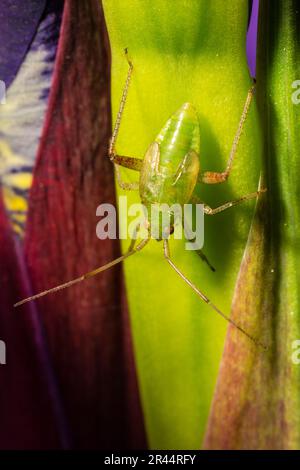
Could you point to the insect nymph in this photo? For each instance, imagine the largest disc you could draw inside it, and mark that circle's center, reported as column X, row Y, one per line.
column 169, row 173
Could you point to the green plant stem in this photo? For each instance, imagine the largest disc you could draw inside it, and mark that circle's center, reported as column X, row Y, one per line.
column 184, row 51
column 258, row 394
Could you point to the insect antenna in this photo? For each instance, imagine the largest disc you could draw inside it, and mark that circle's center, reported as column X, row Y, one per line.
column 206, row 260
column 199, row 252
column 206, row 299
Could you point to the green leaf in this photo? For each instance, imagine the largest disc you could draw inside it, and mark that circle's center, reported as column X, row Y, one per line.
column 184, row 51
column 258, row 393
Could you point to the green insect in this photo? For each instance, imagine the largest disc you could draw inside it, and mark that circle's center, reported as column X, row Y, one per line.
column 169, row 173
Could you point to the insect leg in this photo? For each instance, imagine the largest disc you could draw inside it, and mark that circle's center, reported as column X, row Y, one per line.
column 211, row 177
column 133, row 186
column 132, row 250
column 127, row 162
column 210, row 211
column 121, row 108
column 206, row 299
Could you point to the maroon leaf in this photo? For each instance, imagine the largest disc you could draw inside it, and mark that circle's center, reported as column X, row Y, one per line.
column 86, row 325
column 30, row 409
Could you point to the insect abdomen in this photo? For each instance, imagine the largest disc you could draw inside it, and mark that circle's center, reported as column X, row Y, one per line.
column 179, row 136
column 171, row 165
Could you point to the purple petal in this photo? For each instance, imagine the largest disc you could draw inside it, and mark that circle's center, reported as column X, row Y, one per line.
column 252, row 38
column 19, row 21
